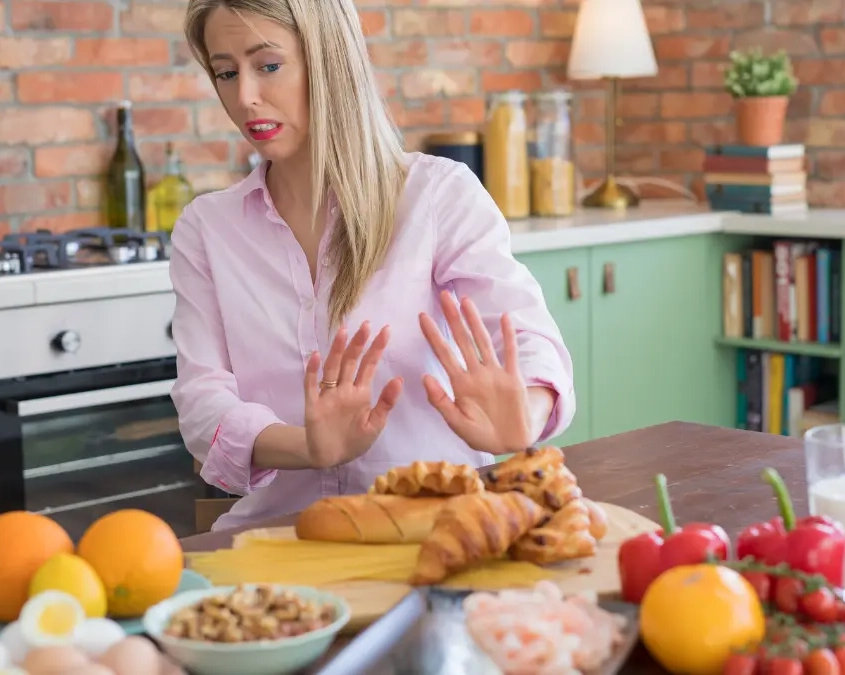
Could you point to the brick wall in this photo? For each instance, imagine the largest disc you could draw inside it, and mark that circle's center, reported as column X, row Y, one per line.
column 64, row 63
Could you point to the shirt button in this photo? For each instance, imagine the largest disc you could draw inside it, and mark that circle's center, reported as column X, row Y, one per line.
column 333, row 210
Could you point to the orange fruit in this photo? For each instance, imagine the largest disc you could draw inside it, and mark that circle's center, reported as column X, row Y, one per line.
column 138, row 557
column 29, row 540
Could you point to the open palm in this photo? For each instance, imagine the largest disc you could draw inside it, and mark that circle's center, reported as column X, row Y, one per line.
column 490, row 407
column 340, row 422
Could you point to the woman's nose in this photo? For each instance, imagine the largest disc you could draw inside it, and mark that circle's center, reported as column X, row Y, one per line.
column 249, row 91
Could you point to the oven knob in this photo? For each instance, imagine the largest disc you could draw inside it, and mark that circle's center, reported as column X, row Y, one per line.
column 67, row 341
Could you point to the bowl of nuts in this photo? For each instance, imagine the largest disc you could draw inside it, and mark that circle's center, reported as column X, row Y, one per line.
column 250, row 629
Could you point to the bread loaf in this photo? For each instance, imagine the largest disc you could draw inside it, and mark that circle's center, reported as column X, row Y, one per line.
column 369, row 519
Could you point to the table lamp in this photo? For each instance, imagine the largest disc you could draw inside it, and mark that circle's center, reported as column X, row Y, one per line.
column 611, row 42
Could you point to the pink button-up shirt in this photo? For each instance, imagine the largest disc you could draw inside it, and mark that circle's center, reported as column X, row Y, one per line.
column 247, row 318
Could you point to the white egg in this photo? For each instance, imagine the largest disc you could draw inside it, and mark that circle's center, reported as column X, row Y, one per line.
column 11, row 637
column 96, row 636
column 51, row 618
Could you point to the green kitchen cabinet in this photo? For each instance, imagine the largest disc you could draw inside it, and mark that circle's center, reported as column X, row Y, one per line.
column 653, row 317
column 564, row 277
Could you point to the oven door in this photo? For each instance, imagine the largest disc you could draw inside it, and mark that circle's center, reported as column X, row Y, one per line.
column 83, row 454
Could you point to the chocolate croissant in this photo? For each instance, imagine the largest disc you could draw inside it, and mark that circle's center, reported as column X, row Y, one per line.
column 549, row 483
column 473, row 528
column 428, row 479
column 564, row 536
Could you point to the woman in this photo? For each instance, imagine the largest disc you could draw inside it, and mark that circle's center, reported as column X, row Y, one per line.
column 338, row 227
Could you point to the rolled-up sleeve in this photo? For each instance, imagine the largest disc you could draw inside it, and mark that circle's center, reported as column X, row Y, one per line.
column 219, row 429
column 473, row 257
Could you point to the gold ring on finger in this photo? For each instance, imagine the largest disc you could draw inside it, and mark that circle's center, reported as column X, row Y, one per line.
column 328, row 384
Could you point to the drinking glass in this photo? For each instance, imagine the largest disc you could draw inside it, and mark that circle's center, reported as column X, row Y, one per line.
column 824, row 452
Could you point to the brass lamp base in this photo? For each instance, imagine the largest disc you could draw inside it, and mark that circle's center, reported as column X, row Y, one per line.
column 611, row 195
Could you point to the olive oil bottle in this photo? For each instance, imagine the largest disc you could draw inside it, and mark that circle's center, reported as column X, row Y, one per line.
column 167, row 198
column 125, row 189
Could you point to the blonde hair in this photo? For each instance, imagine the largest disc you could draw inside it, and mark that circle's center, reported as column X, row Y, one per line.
column 356, row 150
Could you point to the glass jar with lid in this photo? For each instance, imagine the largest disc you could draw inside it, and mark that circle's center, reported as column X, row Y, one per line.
column 506, row 174
column 552, row 166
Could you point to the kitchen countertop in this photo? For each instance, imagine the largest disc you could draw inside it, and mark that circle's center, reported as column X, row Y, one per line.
column 714, row 475
column 653, row 219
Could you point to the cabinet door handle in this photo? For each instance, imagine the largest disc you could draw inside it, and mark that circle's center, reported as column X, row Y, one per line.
column 609, row 278
column 573, row 287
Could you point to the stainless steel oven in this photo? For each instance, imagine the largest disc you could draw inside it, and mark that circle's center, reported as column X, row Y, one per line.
column 87, row 362
column 81, row 444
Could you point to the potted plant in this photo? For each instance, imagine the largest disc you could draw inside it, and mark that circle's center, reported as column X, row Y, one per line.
column 761, row 86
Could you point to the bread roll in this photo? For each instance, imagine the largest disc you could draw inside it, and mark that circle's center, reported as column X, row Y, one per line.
column 369, row 519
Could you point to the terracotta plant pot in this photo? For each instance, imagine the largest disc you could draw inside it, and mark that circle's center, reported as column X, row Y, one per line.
column 760, row 119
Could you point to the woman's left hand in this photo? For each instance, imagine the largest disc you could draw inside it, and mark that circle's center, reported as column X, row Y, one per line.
column 490, row 408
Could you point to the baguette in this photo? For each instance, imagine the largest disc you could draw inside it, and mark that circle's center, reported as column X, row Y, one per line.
column 369, row 519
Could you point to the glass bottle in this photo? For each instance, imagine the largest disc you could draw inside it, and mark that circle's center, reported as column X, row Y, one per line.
column 552, row 165
column 125, row 190
column 506, row 153
column 168, row 197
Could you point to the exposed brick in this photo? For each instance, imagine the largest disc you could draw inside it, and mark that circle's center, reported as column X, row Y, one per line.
column 669, row 76
column 153, row 18
column 89, row 193
column 504, row 22
column 46, row 124
column 170, row 87
column 683, row 47
column 89, row 159
column 708, row 74
column 687, row 159
column 818, row 71
column 419, row 113
column 5, row 87
column 63, row 222
column 559, row 24
column 424, row 83
column 726, row 15
column 135, row 52
column 155, row 121
column 822, row 194
column 467, row 111
column 828, row 164
column 791, row 13
column 662, row 19
column 638, row 106
column 833, row 103
column 525, row 54
column 482, row 53
column 496, row 81
column 14, row 162
column 373, row 23
column 643, row 133
column 57, row 87
column 29, row 197
column 212, row 119
column 398, row 53
column 428, row 22
column 73, row 16
column 832, row 40
column 695, row 105
column 826, row 133
column 797, row 43
column 26, row 52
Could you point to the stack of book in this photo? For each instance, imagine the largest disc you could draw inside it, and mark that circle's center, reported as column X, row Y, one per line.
column 754, row 179
column 790, row 292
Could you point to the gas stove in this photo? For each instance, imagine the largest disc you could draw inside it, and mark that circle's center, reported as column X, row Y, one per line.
column 28, row 252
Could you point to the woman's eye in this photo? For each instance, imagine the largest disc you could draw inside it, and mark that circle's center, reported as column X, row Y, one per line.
column 271, row 67
column 227, row 75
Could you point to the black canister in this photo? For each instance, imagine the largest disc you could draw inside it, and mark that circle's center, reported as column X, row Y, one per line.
column 463, row 146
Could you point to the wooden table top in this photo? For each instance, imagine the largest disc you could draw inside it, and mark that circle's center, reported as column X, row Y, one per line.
column 714, row 475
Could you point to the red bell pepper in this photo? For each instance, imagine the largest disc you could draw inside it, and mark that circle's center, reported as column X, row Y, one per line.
column 814, row 545
column 643, row 558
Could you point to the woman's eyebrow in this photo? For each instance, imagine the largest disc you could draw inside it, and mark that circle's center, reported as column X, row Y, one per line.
column 249, row 52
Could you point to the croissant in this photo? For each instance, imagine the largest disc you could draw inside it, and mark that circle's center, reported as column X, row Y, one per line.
column 428, row 479
column 473, row 528
column 566, row 535
column 524, row 465
column 550, row 488
column 598, row 519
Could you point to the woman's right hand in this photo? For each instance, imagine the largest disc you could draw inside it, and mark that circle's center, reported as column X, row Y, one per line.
column 340, row 423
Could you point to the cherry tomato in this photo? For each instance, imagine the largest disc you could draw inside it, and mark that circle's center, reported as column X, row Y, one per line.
column 821, row 662
column 840, row 610
column 839, row 653
column 740, row 664
column 819, row 605
column 781, row 665
column 761, row 582
column 788, row 591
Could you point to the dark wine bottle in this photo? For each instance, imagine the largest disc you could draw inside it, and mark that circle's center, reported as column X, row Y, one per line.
column 125, row 189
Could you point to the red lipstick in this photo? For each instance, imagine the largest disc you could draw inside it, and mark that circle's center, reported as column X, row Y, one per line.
column 263, row 130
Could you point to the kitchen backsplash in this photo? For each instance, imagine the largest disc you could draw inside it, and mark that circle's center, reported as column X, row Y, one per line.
column 64, row 64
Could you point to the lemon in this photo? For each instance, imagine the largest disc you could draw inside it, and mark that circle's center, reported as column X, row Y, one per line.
column 73, row 575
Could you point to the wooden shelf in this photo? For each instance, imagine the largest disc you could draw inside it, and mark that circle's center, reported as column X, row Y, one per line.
column 830, row 351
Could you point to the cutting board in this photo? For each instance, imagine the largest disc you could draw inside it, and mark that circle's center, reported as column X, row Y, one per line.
column 370, row 600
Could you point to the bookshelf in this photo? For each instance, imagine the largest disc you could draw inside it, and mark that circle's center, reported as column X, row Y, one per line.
column 825, row 351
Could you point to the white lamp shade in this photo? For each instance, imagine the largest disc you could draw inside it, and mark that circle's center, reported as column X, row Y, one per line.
column 611, row 40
